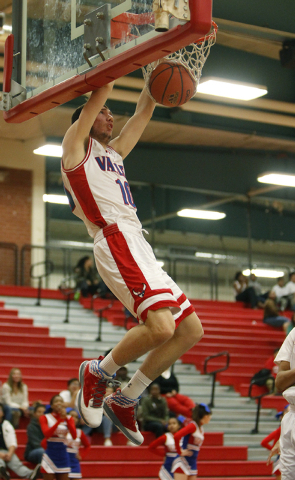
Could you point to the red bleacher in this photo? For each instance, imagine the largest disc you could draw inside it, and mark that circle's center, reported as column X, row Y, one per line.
column 227, row 326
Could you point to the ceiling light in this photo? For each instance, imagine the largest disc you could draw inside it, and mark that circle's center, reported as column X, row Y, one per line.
column 203, row 214
column 231, row 89
column 62, row 199
column 278, row 179
column 49, row 150
column 260, row 272
column 203, row 255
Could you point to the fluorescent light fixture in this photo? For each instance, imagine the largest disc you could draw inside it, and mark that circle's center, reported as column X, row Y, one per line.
column 62, row 199
column 49, row 150
column 278, row 179
column 203, row 255
column 203, row 214
column 261, row 272
column 160, row 263
column 231, row 89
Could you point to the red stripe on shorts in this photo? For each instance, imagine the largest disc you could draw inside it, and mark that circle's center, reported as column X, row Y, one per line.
column 130, row 271
column 184, row 314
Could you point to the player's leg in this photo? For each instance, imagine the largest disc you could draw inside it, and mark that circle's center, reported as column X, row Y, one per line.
column 120, row 407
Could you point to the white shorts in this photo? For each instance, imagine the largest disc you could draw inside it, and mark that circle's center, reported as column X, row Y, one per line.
column 126, row 263
column 287, row 443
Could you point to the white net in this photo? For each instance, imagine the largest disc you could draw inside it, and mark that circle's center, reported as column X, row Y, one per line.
column 192, row 57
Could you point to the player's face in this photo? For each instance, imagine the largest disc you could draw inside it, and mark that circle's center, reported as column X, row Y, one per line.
column 102, row 128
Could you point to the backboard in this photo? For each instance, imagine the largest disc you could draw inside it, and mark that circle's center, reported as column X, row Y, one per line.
column 66, row 48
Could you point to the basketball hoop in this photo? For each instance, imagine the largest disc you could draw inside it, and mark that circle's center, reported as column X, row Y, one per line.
column 192, row 57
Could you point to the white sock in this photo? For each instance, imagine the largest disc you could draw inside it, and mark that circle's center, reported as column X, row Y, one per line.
column 108, row 365
column 138, row 383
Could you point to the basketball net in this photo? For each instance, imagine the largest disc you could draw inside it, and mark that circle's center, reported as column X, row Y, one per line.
column 192, row 57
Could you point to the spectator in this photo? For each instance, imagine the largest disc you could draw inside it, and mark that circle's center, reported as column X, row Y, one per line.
column 279, row 293
column 8, row 458
column 122, row 376
column 177, row 403
column 7, row 409
column 290, row 290
column 242, row 292
column 166, row 441
column 271, row 316
column 273, row 370
column 34, row 451
column 55, row 427
column 185, row 465
column 15, row 395
column 154, row 411
column 86, row 278
column 74, row 450
column 69, row 396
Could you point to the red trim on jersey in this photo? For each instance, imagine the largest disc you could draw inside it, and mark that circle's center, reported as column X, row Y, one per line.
column 190, row 428
column 86, row 445
column 158, row 442
column 272, row 437
column 90, row 141
column 133, row 276
column 81, row 189
column 188, row 311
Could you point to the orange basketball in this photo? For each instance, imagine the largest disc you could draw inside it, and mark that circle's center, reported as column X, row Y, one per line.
column 171, row 84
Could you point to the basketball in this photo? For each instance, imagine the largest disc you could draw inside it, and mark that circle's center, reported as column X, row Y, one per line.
column 171, row 84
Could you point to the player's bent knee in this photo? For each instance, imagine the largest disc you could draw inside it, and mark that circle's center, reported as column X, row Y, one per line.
column 161, row 325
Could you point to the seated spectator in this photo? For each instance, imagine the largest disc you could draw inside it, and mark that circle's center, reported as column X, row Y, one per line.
column 69, row 396
column 34, row 451
column 242, row 292
column 86, row 277
column 8, row 458
column 15, row 395
column 271, row 316
column 154, row 411
column 122, row 376
column 76, row 453
column 279, row 294
column 290, row 291
column 261, row 297
column 177, row 403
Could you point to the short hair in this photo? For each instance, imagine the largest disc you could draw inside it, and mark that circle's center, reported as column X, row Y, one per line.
column 72, row 380
column 77, row 113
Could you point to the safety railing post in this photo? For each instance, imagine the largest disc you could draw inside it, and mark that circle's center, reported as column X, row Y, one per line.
column 259, row 398
column 214, row 372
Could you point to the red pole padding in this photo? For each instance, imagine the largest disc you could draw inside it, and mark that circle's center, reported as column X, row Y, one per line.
column 8, row 63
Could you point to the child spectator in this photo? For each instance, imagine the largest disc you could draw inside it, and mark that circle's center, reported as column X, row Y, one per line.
column 55, row 427
column 15, row 395
column 74, row 450
column 166, row 441
column 8, row 458
column 34, row 451
column 271, row 316
column 185, row 465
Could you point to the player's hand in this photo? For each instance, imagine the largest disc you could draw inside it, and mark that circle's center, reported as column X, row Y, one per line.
column 274, row 451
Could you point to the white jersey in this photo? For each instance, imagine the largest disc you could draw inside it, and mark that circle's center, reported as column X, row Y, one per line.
column 98, row 191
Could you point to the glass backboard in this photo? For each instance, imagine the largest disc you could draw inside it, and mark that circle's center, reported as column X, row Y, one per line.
column 70, row 47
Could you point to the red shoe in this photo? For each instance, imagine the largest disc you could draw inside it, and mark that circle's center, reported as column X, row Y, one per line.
column 93, row 382
column 122, row 411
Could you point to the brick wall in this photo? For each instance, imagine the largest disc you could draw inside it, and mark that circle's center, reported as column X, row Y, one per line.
column 15, row 216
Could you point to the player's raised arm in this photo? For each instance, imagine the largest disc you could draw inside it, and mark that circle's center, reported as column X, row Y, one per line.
column 132, row 131
column 76, row 136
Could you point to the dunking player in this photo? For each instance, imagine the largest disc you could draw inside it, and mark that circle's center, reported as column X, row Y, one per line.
column 99, row 194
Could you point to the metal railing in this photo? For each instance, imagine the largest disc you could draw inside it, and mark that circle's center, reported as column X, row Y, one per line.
column 49, row 267
column 214, row 372
column 68, row 291
column 99, row 313
column 259, row 398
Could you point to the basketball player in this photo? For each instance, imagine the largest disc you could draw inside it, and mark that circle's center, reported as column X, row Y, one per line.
column 99, row 194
